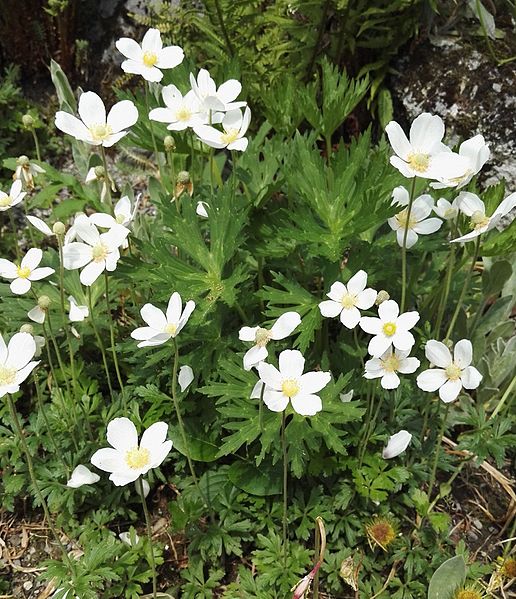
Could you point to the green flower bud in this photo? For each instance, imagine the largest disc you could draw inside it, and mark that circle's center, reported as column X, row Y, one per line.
column 28, row 121
column 169, row 142
column 100, row 172
column 382, row 296
column 59, row 228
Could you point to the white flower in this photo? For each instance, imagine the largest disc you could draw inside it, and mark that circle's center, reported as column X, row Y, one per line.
column 162, row 327
column 235, row 126
column 186, row 376
column 211, row 98
column 96, row 253
column 283, row 327
column 476, row 152
column 15, row 362
column 200, row 209
column 445, row 210
column 129, row 460
column 424, row 155
column 472, row 206
column 290, row 384
column 348, row 300
column 346, row 397
column 28, row 271
column 388, row 364
column 181, row 111
column 72, row 234
column 125, row 537
column 124, row 214
column 147, row 60
column 392, row 328
column 37, row 314
column 93, row 127
column 452, row 373
column 418, row 221
column 14, row 197
column 26, row 171
column 82, row 476
column 397, row 444
column 77, row 313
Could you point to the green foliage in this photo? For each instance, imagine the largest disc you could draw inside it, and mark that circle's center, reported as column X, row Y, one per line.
column 447, row 578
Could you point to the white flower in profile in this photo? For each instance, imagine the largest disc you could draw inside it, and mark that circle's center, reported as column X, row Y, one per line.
column 93, row 127
column 211, row 98
column 235, row 126
column 447, row 210
column 283, row 327
column 15, row 196
column 147, row 60
column 77, row 313
column 200, row 209
column 396, row 445
column 185, row 377
column 181, row 111
column 424, row 155
column 391, row 328
column 162, row 327
column 476, row 152
column 22, row 276
column 451, row 374
column 128, row 459
column 96, row 253
column 26, row 171
column 82, row 475
column 418, row 221
column 289, row 384
column 347, row 300
column 37, row 314
column 471, row 205
column 15, row 361
column 388, row 364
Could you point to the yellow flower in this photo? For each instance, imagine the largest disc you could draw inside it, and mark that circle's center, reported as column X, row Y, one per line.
column 381, row 531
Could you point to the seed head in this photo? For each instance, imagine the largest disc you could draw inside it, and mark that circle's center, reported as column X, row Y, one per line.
column 59, row 228
column 27, row 328
column 382, row 296
column 381, row 531
column 169, row 143
column 28, row 121
column 44, row 302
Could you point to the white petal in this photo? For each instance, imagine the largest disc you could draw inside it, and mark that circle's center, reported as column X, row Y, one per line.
column 210, row 136
column 312, row 382
column 463, row 353
column 337, row 290
column 403, row 340
column 152, row 41
column 410, row 240
column 291, row 363
column 82, row 476
column 229, row 90
column 437, row 353
column 407, row 320
column 186, row 376
column 91, row 109
column 91, row 272
column 390, row 380
column 350, row 317
column 41, row 273
column 270, row 375
column 388, row 311
column 154, row 436
column 40, row 225
column 174, row 308
column 431, row 379
column 129, row 48
column 248, row 333
column 366, row 299
column 398, row 140
column 357, row 283
column 32, row 258
column 397, row 444
column 430, row 225
column 306, row 405
column 170, row 57
column 426, row 132
column 121, row 434
column 76, row 255
column 20, row 351
column 24, row 372
column 20, row 286
column 378, row 345
column 330, row 308
column 400, row 196
column 450, row 391
column 285, row 325
column 109, row 460
column 37, row 314
column 122, row 116
column 275, row 400
column 370, row 325
column 154, row 317
column 468, row 203
column 470, row 377
column 72, row 126
column 189, row 308
column 101, row 219
column 240, row 144
column 408, row 365
column 254, row 356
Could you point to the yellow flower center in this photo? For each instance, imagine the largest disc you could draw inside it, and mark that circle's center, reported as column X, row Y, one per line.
column 23, row 272
column 348, row 301
column 120, row 219
column 467, row 594
column 137, row 457
column 290, row 387
column 391, row 364
column 401, row 217
column 262, row 337
column 389, row 328
column 184, row 114
column 453, row 372
column 479, row 220
column 99, row 252
column 150, row 58
column 100, row 131
column 418, row 162
column 5, row 201
column 228, row 137
column 381, row 532
column 171, row 329
column 7, row 376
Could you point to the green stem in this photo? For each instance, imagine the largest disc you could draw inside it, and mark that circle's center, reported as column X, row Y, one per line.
column 63, row 311
column 36, row 144
column 154, row 144
column 504, row 398
column 315, row 594
column 438, row 450
column 100, row 344
column 446, row 291
column 464, row 290
column 359, row 348
column 404, row 247
column 223, row 28
column 108, row 179
column 13, row 226
column 149, row 535
column 285, row 485
column 112, row 338
column 59, row 359
column 30, row 464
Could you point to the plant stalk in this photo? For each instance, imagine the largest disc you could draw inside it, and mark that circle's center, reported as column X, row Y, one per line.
column 404, row 247
column 149, row 535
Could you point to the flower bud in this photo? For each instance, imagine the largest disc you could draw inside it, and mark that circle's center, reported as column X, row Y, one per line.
column 27, row 328
column 100, row 172
column 22, row 160
column 59, row 228
column 44, row 302
column 302, row 587
column 28, row 121
column 169, row 143
column 183, row 183
column 183, row 178
column 382, row 296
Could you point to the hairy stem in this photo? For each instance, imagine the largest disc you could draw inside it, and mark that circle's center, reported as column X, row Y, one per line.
column 149, row 535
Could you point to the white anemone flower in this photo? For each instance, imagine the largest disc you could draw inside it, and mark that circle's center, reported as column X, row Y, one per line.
column 181, row 111
column 283, row 327
column 26, row 171
column 15, row 361
column 96, row 253
column 82, row 475
column 148, row 59
column 94, row 127
column 235, row 126
column 128, row 459
column 28, row 271
column 418, row 222
column 162, row 327
column 476, row 152
column 15, row 196
column 185, row 377
column 211, row 98
column 447, row 210
column 424, row 155
column 388, row 365
column 396, row 444
column 391, row 328
column 77, row 313
column 471, row 205
column 451, row 374
column 347, row 300
column 124, row 214
column 289, row 384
